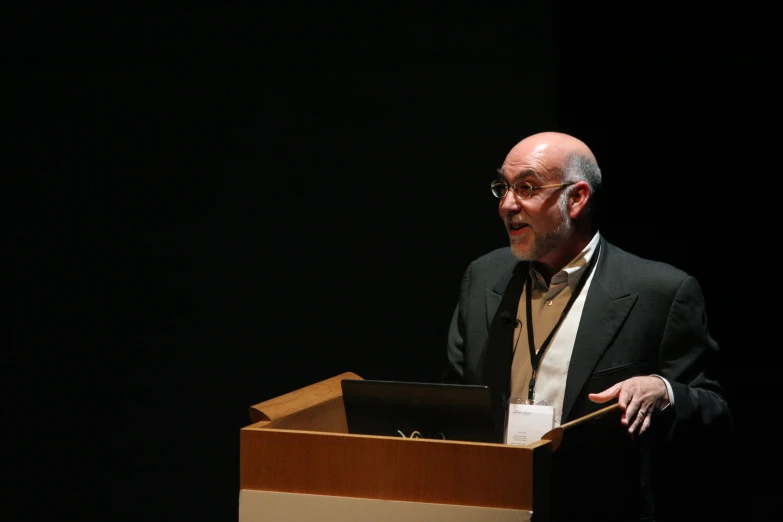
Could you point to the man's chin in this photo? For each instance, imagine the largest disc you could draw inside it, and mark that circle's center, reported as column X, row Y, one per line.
column 521, row 252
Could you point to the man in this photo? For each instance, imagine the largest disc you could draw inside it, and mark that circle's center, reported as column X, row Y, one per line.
column 566, row 317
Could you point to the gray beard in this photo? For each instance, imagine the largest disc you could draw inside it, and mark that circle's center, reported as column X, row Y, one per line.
column 543, row 244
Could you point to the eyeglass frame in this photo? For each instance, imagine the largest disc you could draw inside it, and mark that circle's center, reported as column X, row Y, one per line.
column 513, row 187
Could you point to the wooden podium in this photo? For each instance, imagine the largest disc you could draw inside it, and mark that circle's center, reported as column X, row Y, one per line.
column 299, row 463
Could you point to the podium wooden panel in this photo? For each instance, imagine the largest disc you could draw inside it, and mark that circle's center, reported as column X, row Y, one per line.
column 299, row 444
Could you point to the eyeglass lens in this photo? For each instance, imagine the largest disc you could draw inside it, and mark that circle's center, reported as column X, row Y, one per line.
column 523, row 189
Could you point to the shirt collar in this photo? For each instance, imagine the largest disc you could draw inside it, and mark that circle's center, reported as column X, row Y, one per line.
column 572, row 272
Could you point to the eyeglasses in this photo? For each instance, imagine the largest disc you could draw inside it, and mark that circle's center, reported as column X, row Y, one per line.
column 523, row 189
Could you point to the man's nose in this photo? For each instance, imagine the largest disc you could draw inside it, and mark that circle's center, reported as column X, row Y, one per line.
column 510, row 202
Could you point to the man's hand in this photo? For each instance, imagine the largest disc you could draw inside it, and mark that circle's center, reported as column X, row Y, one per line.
column 638, row 397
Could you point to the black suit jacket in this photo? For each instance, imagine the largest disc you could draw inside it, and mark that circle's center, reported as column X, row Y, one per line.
column 640, row 317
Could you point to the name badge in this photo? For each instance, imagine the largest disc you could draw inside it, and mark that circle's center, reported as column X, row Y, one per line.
column 528, row 422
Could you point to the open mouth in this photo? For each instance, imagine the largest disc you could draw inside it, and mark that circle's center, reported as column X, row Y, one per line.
column 517, row 230
column 516, row 227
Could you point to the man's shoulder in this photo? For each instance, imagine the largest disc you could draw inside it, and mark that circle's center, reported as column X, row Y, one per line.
column 639, row 267
column 500, row 258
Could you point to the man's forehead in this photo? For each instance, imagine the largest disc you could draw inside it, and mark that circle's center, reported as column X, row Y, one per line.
column 523, row 166
column 508, row 171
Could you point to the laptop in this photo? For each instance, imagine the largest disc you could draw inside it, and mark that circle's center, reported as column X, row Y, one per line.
column 460, row 412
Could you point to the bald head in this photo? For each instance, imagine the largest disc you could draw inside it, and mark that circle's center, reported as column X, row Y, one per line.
column 548, row 151
column 553, row 157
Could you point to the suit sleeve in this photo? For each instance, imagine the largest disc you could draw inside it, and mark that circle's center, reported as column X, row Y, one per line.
column 690, row 362
column 455, row 345
column 690, row 455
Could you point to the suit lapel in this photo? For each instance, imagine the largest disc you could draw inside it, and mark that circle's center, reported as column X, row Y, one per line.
column 607, row 305
column 495, row 365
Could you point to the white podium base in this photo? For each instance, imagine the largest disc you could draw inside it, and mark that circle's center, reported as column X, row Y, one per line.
column 272, row 506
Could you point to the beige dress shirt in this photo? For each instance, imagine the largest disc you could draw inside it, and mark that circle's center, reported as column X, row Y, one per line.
column 547, row 304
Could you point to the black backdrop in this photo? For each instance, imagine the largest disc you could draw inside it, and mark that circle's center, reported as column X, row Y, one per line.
column 218, row 204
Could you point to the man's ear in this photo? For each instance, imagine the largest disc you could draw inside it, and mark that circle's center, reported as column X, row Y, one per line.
column 577, row 199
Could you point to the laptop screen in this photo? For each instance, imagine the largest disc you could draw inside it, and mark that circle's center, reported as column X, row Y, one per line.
column 427, row 410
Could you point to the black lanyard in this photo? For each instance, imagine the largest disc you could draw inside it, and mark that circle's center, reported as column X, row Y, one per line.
column 535, row 358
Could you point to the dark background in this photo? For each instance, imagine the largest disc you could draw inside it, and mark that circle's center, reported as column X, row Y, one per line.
column 217, row 204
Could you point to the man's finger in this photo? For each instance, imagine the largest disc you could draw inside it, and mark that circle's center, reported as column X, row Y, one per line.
column 630, row 406
column 645, row 424
column 641, row 420
column 606, row 395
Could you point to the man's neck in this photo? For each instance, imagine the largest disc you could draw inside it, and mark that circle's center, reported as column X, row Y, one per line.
column 554, row 262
